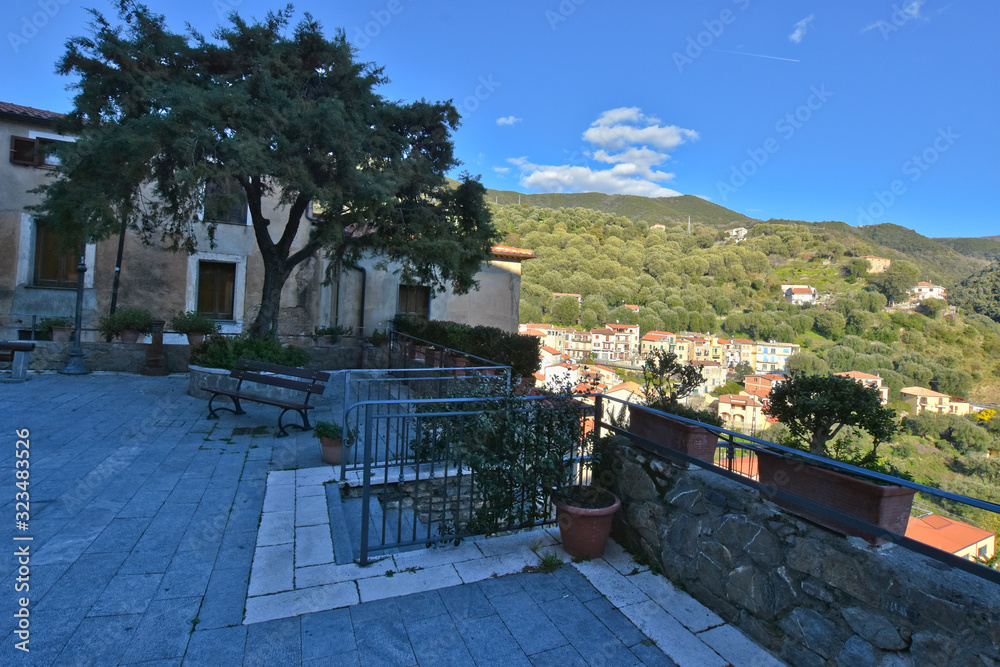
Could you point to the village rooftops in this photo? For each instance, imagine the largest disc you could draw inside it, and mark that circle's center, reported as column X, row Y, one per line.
column 739, row 399
column 858, row 375
column 921, row 391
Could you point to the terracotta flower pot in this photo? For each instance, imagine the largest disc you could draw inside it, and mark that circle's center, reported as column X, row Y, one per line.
column 130, row 336
column 62, row 334
column 694, row 441
column 195, row 339
column 585, row 531
column 885, row 506
column 333, row 449
column 324, row 341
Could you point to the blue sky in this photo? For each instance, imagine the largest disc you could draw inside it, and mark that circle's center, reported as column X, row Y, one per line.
column 864, row 112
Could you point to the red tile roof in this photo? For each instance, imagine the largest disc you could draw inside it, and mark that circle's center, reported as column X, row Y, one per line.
column 32, row 113
column 510, row 252
column 943, row 533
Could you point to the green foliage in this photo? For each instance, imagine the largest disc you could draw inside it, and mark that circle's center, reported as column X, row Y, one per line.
column 46, row 323
column 325, row 429
column 518, row 351
column 566, row 310
column 896, row 280
column 728, row 388
column 933, row 307
column 220, row 351
column 520, row 451
column 666, row 380
column 125, row 319
column 980, row 293
column 276, row 114
column 816, row 407
column 742, row 370
column 378, row 338
column 192, row 322
column 334, row 332
column 802, row 363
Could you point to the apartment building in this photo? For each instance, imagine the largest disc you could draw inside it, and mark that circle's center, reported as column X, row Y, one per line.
column 877, row 264
column 626, row 340
column 924, row 290
column 925, row 400
column 656, row 340
column 772, row 356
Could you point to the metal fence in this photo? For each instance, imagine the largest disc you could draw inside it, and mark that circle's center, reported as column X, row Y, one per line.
column 420, row 476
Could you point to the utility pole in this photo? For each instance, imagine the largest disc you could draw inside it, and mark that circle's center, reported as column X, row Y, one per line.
column 689, row 225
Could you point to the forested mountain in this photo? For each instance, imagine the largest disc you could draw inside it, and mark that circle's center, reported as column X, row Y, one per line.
column 706, row 282
column 985, row 248
column 653, row 210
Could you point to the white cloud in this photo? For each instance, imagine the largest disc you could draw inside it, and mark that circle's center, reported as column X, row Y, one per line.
column 501, row 170
column 508, row 120
column 628, row 140
column 800, row 29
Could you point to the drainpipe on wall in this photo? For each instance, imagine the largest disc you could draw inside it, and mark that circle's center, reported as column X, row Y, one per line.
column 364, row 286
column 118, row 268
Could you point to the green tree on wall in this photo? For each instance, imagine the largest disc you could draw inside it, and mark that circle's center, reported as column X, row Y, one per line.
column 816, row 407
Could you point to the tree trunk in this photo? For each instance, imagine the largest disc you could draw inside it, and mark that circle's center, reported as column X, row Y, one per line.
column 276, row 272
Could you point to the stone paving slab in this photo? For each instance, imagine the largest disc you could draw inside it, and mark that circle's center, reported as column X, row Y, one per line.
column 148, row 520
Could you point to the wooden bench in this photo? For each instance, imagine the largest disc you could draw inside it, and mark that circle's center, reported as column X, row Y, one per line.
column 18, row 353
column 260, row 373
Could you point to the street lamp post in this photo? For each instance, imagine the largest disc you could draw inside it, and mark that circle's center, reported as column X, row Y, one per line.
column 76, row 365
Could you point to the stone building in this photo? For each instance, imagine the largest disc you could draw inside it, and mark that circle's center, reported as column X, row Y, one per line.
column 223, row 281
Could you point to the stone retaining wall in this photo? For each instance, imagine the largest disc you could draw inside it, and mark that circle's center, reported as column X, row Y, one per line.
column 131, row 357
column 811, row 596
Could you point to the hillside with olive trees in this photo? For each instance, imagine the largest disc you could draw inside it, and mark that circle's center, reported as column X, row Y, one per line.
column 706, row 282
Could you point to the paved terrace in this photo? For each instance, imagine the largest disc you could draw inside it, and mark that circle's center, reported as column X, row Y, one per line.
column 162, row 538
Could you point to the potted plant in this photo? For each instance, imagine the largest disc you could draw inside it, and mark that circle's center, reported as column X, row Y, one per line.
column 327, row 336
column 666, row 381
column 195, row 326
column 127, row 324
column 378, row 338
column 331, row 438
column 59, row 328
column 815, row 409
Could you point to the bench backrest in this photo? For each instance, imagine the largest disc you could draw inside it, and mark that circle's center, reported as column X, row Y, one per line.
column 309, row 381
column 16, row 346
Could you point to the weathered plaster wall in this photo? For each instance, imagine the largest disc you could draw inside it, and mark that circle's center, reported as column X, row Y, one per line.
column 811, row 596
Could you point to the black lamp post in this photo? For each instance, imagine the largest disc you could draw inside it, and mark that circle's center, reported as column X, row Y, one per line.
column 76, row 365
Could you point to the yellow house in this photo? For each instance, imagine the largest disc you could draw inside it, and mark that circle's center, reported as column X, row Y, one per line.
column 922, row 400
column 877, row 264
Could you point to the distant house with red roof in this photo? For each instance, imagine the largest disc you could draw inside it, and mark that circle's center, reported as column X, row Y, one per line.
column 955, row 537
column 868, row 380
column 799, row 294
column 742, row 413
column 921, row 399
column 924, row 291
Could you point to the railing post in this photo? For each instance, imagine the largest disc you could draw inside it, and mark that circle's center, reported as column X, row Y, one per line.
column 598, row 414
column 366, row 489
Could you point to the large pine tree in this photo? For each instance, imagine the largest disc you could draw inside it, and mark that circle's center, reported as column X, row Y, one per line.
column 277, row 113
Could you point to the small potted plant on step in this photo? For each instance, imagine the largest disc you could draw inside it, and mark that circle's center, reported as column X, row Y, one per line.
column 195, row 326
column 331, row 437
column 327, row 336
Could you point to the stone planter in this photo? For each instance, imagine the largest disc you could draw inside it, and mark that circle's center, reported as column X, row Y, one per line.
column 333, row 449
column 585, row 531
column 694, row 441
column 885, row 506
column 62, row 334
column 324, row 341
column 211, row 378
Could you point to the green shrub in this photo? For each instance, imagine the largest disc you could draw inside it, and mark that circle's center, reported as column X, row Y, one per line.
column 325, row 429
column 126, row 319
column 515, row 350
column 46, row 323
column 334, row 332
column 223, row 351
column 192, row 322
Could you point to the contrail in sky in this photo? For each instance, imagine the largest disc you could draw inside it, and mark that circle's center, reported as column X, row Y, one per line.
column 756, row 55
